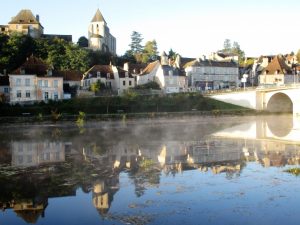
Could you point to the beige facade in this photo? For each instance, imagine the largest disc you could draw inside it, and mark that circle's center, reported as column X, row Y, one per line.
column 49, row 88
column 26, row 23
column 31, row 88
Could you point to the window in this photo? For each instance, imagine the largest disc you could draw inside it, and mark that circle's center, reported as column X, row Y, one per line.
column 27, row 82
column 55, row 83
column 18, row 82
column 130, row 83
column 19, row 95
column 98, row 74
column 40, row 83
column 45, row 83
column 46, row 96
column 27, row 94
column 6, row 90
column 124, row 82
column 55, row 96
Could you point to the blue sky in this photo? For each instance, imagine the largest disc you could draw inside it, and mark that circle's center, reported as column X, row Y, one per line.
column 191, row 27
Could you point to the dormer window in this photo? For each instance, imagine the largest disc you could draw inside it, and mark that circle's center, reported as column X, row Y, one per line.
column 108, row 75
column 126, row 74
column 98, row 74
column 49, row 73
column 22, row 71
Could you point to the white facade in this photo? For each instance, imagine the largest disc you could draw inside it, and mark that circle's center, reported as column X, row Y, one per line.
column 205, row 75
column 30, row 88
column 99, row 35
column 22, row 88
column 166, row 76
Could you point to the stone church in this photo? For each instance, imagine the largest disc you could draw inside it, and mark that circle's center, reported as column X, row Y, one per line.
column 99, row 36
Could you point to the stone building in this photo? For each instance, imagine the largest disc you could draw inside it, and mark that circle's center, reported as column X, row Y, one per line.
column 99, row 35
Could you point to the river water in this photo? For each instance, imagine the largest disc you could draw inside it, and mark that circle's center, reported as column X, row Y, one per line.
column 197, row 170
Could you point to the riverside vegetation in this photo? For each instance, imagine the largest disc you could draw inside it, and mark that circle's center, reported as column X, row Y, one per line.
column 128, row 104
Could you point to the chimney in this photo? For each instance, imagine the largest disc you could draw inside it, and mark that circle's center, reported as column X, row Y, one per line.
column 126, row 66
column 37, row 18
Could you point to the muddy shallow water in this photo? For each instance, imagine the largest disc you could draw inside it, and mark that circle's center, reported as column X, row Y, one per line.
column 198, row 170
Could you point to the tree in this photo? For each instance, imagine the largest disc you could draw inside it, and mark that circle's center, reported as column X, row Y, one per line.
column 150, row 51
column 95, row 87
column 172, row 54
column 83, row 42
column 226, row 46
column 233, row 49
column 136, row 40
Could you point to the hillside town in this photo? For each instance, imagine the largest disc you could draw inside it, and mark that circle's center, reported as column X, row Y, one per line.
column 36, row 80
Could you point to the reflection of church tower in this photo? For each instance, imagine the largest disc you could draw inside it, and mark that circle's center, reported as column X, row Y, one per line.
column 103, row 191
column 99, row 35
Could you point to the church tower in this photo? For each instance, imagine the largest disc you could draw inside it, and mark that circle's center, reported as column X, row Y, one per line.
column 99, row 35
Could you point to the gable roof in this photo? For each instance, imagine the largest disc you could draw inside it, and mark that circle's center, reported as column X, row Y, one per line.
column 136, row 68
column 122, row 73
column 33, row 65
column 278, row 65
column 103, row 69
column 25, row 16
column 150, row 67
column 98, row 17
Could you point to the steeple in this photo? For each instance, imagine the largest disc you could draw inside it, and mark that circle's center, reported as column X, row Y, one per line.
column 98, row 17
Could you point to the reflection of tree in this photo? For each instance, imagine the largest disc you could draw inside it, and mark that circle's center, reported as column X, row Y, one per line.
column 147, row 174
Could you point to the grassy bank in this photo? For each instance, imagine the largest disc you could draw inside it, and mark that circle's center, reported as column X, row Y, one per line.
column 129, row 104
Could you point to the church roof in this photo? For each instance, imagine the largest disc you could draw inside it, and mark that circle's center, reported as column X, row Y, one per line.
column 25, row 16
column 98, row 17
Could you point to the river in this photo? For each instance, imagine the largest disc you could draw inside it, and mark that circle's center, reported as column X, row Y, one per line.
column 185, row 170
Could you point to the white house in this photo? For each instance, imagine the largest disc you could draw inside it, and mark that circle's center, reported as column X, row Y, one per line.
column 35, row 81
column 170, row 78
column 114, row 78
column 277, row 72
column 210, row 75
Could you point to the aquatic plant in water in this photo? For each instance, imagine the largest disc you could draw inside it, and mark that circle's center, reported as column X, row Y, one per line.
column 294, row 171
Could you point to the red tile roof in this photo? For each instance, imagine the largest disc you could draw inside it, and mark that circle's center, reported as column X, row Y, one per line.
column 278, row 65
column 150, row 67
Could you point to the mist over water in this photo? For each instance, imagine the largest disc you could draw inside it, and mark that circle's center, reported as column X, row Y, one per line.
column 217, row 170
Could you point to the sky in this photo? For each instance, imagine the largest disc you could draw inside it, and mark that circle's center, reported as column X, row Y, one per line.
column 191, row 28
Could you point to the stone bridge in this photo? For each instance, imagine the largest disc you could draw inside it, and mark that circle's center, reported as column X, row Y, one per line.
column 272, row 99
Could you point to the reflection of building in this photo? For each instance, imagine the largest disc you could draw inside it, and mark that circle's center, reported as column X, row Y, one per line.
column 28, row 210
column 103, row 191
column 36, row 153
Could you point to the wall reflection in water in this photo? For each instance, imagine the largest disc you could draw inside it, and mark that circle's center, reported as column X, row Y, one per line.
column 34, row 170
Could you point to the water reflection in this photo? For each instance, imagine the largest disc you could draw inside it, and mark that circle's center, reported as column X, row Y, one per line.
column 36, row 168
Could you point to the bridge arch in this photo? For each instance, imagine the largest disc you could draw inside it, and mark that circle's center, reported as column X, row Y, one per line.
column 280, row 102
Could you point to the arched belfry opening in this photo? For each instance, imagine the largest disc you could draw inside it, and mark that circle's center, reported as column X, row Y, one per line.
column 280, row 102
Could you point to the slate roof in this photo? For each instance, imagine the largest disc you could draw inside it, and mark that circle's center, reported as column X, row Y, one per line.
column 103, row 69
column 278, row 65
column 210, row 63
column 122, row 73
column 98, row 17
column 4, row 80
column 25, row 16
column 35, row 66
column 136, row 68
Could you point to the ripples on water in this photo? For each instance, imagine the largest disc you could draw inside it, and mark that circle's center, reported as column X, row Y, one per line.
column 224, row 170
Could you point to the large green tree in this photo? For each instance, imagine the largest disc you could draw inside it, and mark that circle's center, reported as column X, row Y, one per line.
column 150, row 51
